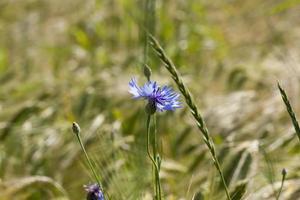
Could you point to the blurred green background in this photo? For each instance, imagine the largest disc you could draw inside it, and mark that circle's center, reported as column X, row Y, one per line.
column 71, row 60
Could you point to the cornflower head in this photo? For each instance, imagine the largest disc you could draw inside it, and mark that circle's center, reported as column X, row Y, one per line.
column 94, row 192
column 159, row 98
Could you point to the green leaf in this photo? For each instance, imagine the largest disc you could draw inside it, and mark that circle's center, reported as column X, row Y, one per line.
column 239, row 191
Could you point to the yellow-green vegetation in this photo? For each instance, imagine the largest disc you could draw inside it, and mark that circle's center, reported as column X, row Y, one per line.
column 71, row 60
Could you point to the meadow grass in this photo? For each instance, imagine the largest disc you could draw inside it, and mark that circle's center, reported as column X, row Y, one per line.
column 65, row 61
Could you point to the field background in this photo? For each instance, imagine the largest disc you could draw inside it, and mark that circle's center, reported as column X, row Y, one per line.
column 71, row 60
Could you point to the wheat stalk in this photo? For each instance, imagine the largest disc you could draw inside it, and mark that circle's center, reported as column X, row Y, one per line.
column 190, row 102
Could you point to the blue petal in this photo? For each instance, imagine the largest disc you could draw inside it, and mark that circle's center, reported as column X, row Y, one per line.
column 165, row 97
column 149, row 89
column 134, row 89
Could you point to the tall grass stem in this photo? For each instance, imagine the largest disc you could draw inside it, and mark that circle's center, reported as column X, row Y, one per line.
column 190, row 102
column 146, row 24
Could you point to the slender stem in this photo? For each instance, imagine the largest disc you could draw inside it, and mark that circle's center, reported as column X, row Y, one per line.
column 153, row 17
column 89, row 161
column 146, row 24
column 169, row 65
column 282, row 181
column 156, row 155
column 154, row 151
column 154, row 142
column 156, row 169
column 148, row 141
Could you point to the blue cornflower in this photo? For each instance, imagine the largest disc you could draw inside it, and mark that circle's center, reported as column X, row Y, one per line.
column 94, row 192
column 159, row 98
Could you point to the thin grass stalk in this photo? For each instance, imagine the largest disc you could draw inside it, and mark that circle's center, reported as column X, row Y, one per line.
column 149, row 24
column 282, row 182
column 190, row 102
column 289, row 110
column 270, row 168
column 152, row 20
column 146, row 24
column 89, row 161
column 76, row 130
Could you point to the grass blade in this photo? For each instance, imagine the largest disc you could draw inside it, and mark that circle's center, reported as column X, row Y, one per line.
column 239, row 191
column 289, row 110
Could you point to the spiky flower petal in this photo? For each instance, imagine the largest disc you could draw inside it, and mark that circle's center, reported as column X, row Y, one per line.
column 162, row 98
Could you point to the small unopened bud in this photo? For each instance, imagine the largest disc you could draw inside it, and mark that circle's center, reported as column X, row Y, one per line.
column 94, row 192
column 75, row 128
column 150, row 107
column 147, row 71
column 283, row 172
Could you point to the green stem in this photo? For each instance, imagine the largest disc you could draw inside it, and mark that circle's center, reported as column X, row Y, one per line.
column 168, row 64
column 154, row 151
column 282, row 181
column 156, row 169
column 89, row 161
column 146, row 24
column 156, row 155
column 154, row 142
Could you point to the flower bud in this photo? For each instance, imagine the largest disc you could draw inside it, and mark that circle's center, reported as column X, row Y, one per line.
column 76, row 128
column 94, row 192
column 283, row 172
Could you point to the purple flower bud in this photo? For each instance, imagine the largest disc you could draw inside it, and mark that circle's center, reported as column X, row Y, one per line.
column 94, row 192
